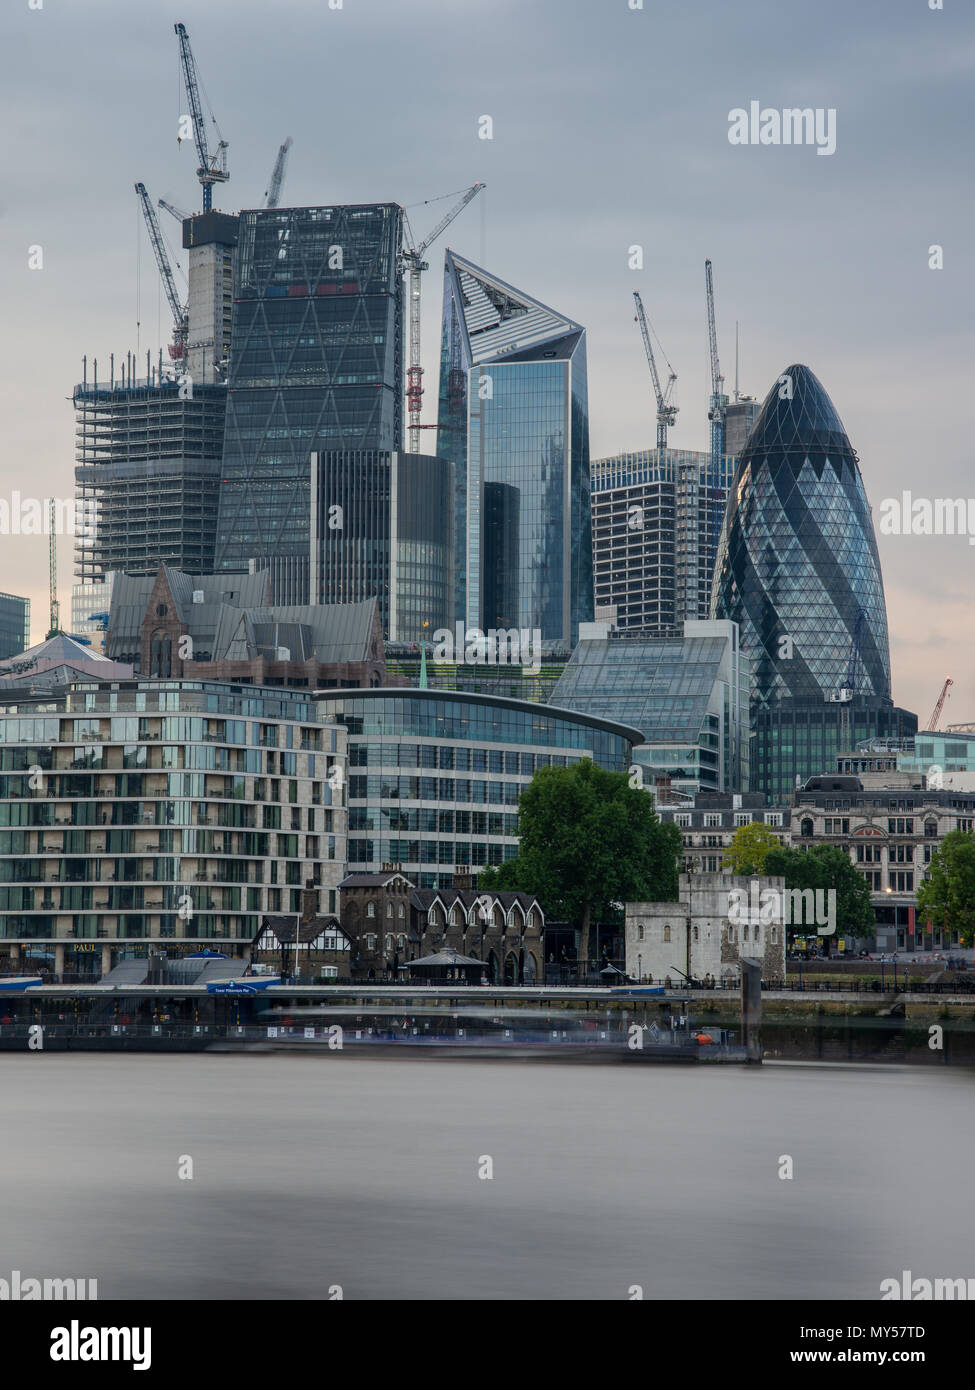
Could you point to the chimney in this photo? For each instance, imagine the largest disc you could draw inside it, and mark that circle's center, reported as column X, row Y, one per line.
column 309, row 900
column 463, row 878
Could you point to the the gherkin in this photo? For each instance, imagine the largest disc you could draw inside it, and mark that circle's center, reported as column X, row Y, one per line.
column 797, row 568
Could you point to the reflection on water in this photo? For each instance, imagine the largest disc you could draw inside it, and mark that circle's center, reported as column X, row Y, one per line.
column 311, row 1172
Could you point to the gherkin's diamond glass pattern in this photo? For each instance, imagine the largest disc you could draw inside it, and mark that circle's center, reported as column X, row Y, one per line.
column 797, row 561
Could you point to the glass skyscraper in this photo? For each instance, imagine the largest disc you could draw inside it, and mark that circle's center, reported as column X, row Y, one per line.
column 798, row 570
column 14, row 625
column 513, row 419
column 316, row 364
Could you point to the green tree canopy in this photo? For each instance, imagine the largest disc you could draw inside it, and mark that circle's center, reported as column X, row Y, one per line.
column 947, row 898
column 750, row 846
column 588, row 840
column 828, row 866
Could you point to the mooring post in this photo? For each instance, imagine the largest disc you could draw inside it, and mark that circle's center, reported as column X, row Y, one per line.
column 751, row 1008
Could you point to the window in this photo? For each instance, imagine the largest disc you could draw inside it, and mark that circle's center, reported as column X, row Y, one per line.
column 742, row 818
column 807, row 828
column 666, row 933
column 837, row 825
column 402, row 911
column 682, row 819
column 389, row 945
column 712, row 818
column 930, row 829
column 370, row 909
column 639, row 933
column 389, row 909
column 453, row 916
column 370, row 942
column 773, row 817
column 900, row 825
column 775, row 936
column 696, row 934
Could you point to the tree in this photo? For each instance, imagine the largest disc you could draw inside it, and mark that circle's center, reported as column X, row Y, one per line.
column 589, row 841
column 948, row 896
column 750, row 846
column 828, row 867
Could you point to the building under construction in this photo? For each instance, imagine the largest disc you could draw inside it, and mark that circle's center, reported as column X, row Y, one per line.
column 656, row 519
column 147, row 467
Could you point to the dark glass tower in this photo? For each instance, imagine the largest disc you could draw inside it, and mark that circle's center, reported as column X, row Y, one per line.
column 316, row 364
column 514, row 421
column 798, row 570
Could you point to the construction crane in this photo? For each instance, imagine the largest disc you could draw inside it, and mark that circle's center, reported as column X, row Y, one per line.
column 180, row 317
column 52, row 563
column 719, row 401
column 277, row 177
column 846, row 692
column 666, row 412
column 213, row 168
column 178, row 213
column 412, row 260
column 932, row 723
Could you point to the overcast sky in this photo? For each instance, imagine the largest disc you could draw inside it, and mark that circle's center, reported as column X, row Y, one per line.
column 610, row 130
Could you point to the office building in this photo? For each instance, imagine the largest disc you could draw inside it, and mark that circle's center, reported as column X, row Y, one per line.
column 656, row 518
column 435, row 775
column 147, row 473
column 688, row 694
column 891, row 825
column 90, row 606
column 514, row 421
column 708, row 822
column 740, row 416
column 381, row 527
column 798, row 570
column 316, row 364
column 167, row 814
column 14, row 625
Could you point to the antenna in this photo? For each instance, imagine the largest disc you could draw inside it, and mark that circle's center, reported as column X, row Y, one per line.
column 737, row 392
column 55, row 607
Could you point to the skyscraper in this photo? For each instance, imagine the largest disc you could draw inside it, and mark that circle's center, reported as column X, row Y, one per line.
column 798, row 570
column 381, row 528
column 14, row 625
column 656, row 518
column 514, row 421
column 316, row 364
column 147, row 471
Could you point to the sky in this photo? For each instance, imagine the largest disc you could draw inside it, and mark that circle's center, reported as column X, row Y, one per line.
column 610, row 124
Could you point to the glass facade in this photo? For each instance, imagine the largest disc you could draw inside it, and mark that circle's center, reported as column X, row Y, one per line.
column 14, row 625
column 316, row 364
column 687, row 695
column 382, row 528
column 434, row 777
column 514, row 420
column 798, row 570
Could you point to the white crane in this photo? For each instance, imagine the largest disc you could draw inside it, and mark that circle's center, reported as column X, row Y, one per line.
column 666, row 411
column 178, row 213
column 719, row 401
column 412, row 260
column 180, row 318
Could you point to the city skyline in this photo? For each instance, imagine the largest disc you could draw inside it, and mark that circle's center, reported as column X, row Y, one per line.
column 853, row 299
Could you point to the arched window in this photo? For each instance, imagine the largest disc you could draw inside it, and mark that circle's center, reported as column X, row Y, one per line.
column 370, row 942
column 666, row 933
column 432, row 917
column 453, row 916
column 389, row 944
column 389, row 909
column 370, row 909
column 401, row 942
column 402, row 911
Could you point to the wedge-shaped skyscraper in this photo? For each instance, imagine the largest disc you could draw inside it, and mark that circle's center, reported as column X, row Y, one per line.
column 514, row 420
column 797, row 568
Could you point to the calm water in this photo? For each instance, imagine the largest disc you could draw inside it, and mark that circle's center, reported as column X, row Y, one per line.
column 315, row 1171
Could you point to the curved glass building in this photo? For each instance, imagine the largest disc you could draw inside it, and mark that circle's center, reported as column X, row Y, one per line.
column 435, row 775
column 797, row 568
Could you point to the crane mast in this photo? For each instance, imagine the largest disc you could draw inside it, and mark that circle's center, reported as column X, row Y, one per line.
column 719, row 401
column 180, row 319
column 932, row 724
column 213, row 168
column 53, row 576
column 277, row 177
column 666, row 412
column 178, row 213
column 412, row 260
